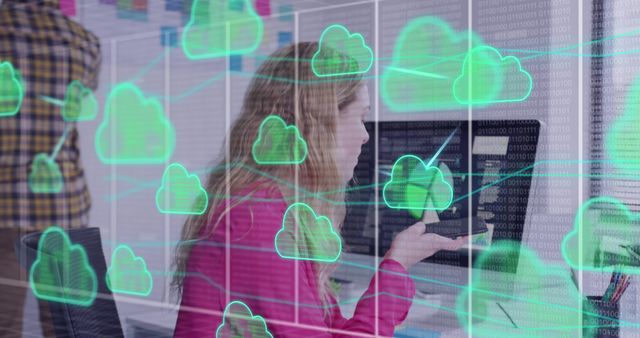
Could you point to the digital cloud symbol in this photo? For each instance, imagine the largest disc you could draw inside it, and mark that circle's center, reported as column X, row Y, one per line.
column 487, row 77
column 61, row 271
column 239, row 321
column 181, row 192
column 623, row 138
column 278, row 144
column 428, row 57
column 415, row 186
column 134, row 129
column 306, row 236
column 80, row 103
column 536, row 311
column 45, row 176
column 128, row 273
column 341, row 53
column 606, row 226
column 212, row 21
column 11, row 90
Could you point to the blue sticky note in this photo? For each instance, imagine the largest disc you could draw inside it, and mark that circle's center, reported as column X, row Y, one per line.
column 284, row 38
column 285, row 12
column 186, row 11
column 168, row 36
column 133, row 15
column 125, row 4
column 236, row 5
column 173, row 5
column 235, row 63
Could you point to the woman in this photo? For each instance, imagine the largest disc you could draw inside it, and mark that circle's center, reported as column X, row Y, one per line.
column 231, row 254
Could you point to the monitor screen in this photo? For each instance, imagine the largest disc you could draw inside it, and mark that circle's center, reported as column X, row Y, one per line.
column 490, row 177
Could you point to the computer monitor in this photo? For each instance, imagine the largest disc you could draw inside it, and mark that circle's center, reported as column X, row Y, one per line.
column 502, row 157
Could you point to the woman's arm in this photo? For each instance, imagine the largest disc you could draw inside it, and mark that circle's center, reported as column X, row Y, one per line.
column 272, row 286
column 270, row 289
column 395, row 293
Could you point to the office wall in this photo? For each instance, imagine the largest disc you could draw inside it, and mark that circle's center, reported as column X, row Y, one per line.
column 619, row 73
column 195, row 95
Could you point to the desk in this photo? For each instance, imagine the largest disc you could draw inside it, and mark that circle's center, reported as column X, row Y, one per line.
column 157, row 324
column 160, row 324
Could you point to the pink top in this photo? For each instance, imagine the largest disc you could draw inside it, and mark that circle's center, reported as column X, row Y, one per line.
column 265, row 282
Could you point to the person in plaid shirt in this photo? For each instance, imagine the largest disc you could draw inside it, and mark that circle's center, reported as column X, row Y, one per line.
column 48, row 51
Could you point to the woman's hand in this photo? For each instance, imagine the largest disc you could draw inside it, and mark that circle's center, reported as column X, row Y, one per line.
column 413, row 245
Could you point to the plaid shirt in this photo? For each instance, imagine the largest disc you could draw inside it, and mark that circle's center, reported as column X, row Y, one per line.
column 49, row 51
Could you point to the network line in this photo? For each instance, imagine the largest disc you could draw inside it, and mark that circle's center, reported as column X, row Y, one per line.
column 153, row 184
column 371, row 268
column 534, row 54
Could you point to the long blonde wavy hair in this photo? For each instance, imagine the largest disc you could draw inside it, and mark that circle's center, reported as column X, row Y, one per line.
column 320, row 100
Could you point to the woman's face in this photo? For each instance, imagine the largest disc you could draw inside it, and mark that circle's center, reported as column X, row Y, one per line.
column 351, row 133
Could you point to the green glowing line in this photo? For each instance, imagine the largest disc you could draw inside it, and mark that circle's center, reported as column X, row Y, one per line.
column 419, row 57
column 367, row 267
column 303, row 82
column 413, row 72
column 356, row 300
column 56, row 150
column 629, row 33
column 148, row 67
column 192, row 90
column 535, row 53
column 220, row 76
column 443, row 146
column 538, row 53
column 416, row 278
column 493, row 183
column 461, row 287
column 197, row 88
column 52, row 100
column 518, row 173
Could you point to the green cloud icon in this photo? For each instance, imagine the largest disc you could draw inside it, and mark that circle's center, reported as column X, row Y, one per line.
column 238, row 321
column 45, row 176
column 11, row 90
column 536, row 310
column 307, row 236
column 623, row 138
column 448, row 178
column 415, row 186
column 61, row 271
column 205, row 35
column 80, row 104
column 427, row 58
column 181, row 193
column 487, row 77
column 341, row 53
column 134, row 129
column 278, row 144
column 128, row 273
column 605, row 224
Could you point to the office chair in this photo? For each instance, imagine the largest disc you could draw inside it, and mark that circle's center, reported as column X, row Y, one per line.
column 73, row 321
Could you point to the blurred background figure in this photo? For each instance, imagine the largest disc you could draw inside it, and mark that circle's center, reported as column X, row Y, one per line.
column 48, row 51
